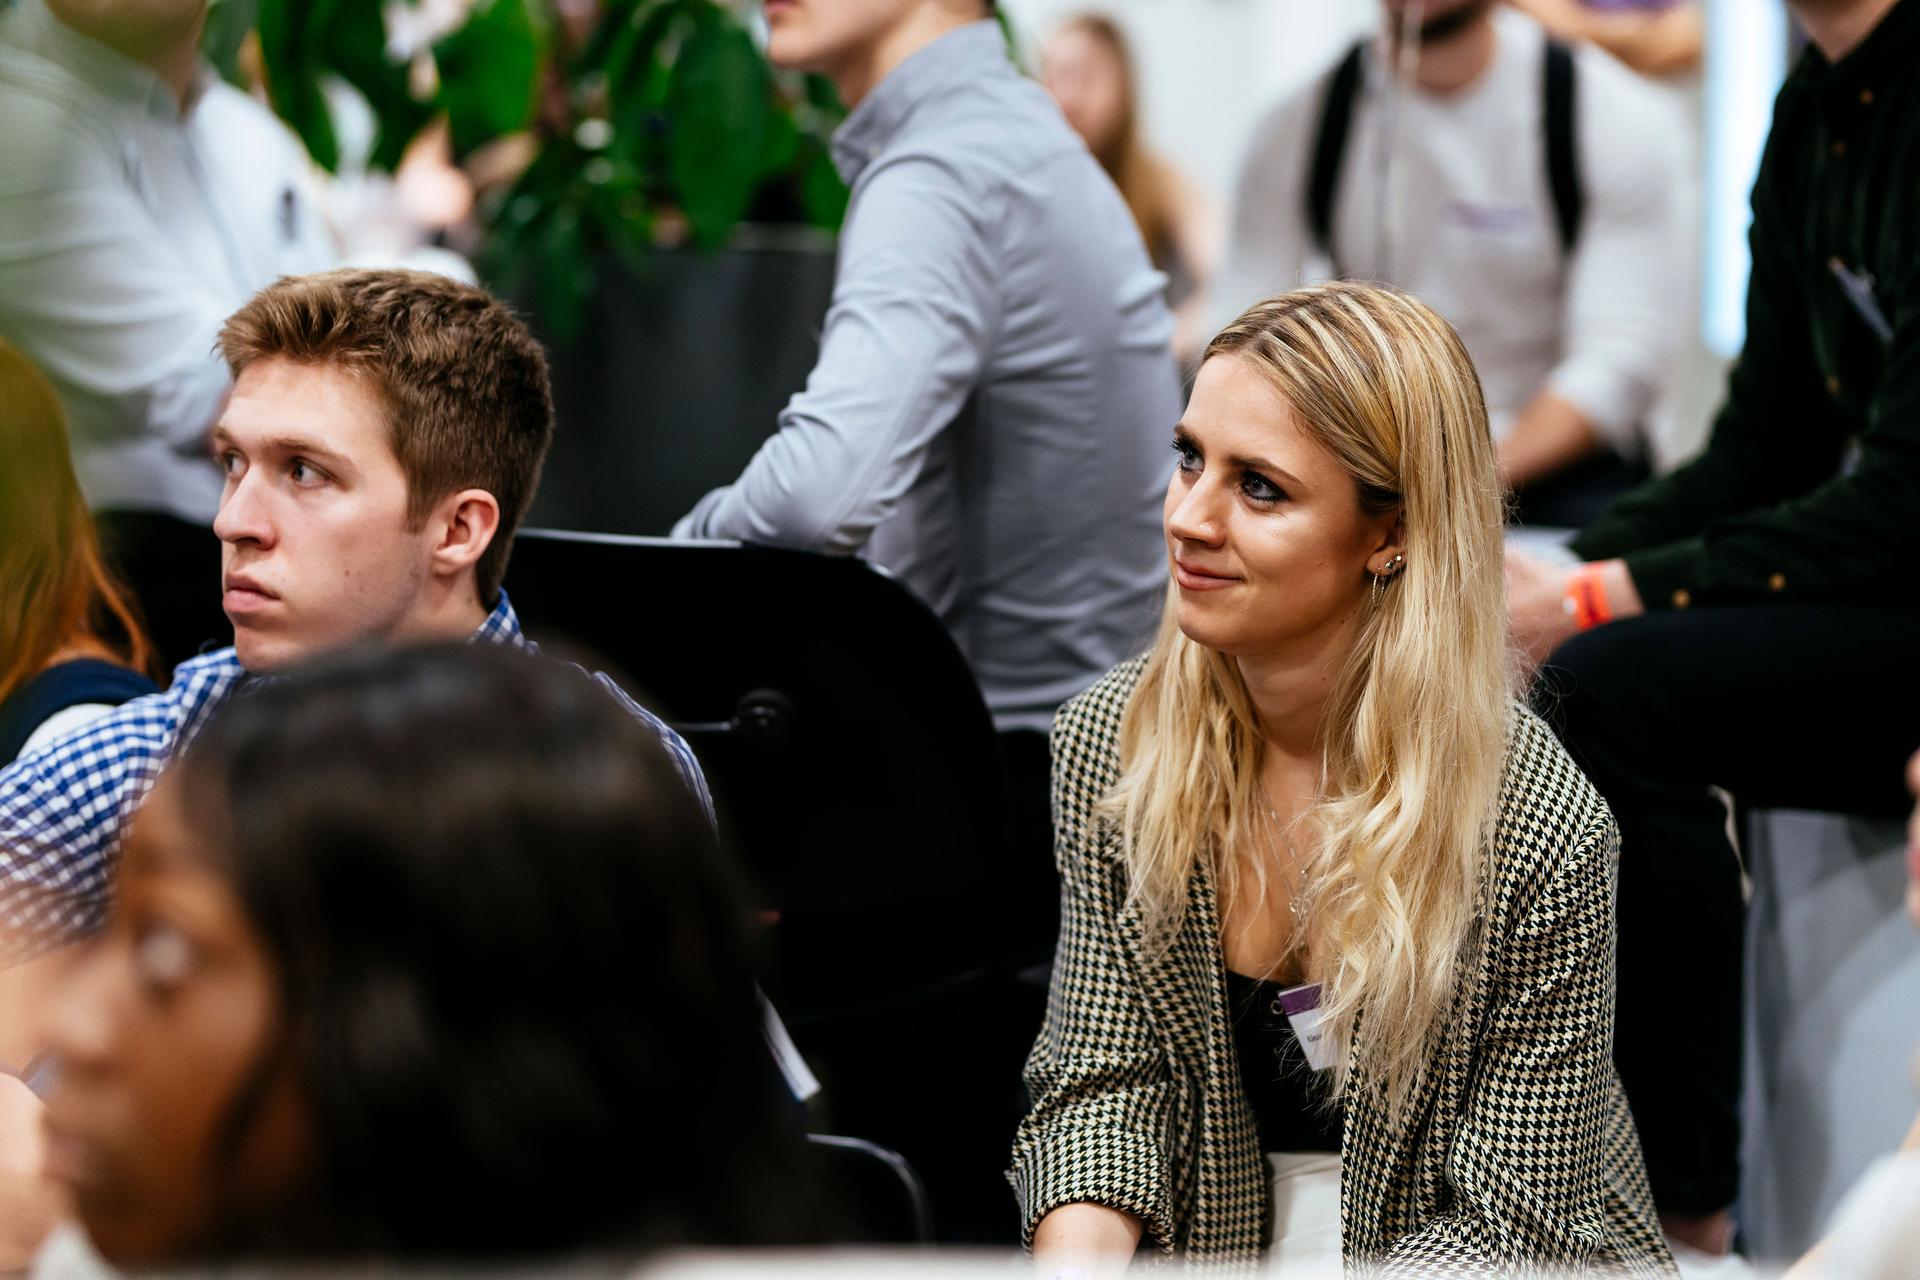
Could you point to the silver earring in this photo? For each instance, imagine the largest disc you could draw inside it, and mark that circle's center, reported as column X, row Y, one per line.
column 1394, row 564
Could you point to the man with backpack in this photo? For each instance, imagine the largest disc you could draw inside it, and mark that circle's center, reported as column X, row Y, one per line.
column 1526, row 191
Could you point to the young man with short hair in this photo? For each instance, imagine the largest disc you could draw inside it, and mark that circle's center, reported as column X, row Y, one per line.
column 383, row 440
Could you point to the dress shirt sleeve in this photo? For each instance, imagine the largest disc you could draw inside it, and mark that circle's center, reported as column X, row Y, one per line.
column 63, row 810
column 1849, row 538
column 1621, row 322
column 1268, row 242
column 1101, row 1087
column 1537, row 1152
column 915, row 308
column 93, row 292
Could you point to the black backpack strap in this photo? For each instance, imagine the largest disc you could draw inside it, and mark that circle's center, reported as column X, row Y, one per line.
column 1330, row 147
column 1562, row 145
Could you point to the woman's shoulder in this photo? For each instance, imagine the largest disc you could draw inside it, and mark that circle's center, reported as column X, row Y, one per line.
column 82, row 682
column 1549, row 812
column 1089, row 722
column 1086, row 740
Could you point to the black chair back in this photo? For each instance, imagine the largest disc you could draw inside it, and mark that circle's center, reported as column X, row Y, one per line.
column 851, row 756
column 877, row 1196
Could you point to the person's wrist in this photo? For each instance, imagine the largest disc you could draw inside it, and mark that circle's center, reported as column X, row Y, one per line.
column 1616, row 580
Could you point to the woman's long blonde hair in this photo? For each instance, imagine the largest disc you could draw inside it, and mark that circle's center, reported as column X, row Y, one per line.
column 1417, row 725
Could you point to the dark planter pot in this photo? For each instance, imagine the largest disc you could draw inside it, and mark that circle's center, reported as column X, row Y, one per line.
column 674, row 378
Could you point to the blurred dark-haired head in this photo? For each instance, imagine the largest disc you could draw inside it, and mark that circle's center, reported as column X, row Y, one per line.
column 423, row 955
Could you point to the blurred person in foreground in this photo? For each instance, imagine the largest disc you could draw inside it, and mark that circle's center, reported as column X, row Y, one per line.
column 352, row 1006
column 1087, row 64
column 71, row 646
column 1731, row 622
column 1335, row 979
column 383, row 440
column 1525, row 190
column 142, row 200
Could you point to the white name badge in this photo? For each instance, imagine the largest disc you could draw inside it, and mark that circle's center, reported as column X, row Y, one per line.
column 1301, row 1004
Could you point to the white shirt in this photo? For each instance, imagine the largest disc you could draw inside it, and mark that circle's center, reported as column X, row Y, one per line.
column 1446, row 196
column 128, row 234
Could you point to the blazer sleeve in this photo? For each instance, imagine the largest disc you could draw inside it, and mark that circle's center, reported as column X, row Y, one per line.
column 1532, row 1162
column 1100, row 1083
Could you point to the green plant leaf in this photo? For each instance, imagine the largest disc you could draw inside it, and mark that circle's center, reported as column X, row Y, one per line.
column 490, row 72
column 352, row 39
column 293, row 82
column 228, row 22
column 718, row 103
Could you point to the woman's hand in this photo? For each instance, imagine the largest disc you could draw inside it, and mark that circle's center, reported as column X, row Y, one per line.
column 1084, row 1242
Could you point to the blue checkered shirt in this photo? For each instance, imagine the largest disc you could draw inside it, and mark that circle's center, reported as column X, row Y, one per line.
column 64, row 808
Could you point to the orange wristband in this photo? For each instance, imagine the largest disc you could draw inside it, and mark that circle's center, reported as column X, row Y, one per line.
column 1587, row 598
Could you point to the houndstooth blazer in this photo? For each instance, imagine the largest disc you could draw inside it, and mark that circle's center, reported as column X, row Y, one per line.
column 1518, row 1150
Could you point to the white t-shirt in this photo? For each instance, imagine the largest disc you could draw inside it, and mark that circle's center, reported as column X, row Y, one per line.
column 128, row 234
column 1446, row 196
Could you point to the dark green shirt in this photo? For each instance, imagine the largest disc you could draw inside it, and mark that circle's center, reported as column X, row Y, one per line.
column 1809, row 487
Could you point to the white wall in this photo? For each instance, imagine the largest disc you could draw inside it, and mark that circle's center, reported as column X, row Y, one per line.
column 1209, row 68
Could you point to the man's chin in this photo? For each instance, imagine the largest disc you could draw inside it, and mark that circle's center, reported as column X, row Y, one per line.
column 262, row 652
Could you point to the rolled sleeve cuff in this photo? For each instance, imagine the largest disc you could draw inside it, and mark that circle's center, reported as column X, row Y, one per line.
column 1093, row 1164
column 1669, row 576
column 1614, row 404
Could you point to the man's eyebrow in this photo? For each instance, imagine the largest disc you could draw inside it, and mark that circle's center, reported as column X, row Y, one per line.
column 284, row 444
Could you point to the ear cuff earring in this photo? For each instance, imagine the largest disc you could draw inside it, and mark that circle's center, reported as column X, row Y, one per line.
column 1387, row 570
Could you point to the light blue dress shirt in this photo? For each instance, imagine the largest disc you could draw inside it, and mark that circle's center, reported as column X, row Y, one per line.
column 995, row 395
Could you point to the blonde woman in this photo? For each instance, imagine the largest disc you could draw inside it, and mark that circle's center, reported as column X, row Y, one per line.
column 1335, row 975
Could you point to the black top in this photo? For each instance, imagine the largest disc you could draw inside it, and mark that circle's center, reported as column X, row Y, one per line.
column 67, row 684
column 1773, row 509
column 1288, row 1096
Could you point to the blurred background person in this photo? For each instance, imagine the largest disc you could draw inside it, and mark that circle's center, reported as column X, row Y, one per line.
column 420, row 956
column 1712, row 632
column 142, row 200
column 1524, row 191
column 1087, row 65
column 71, row 646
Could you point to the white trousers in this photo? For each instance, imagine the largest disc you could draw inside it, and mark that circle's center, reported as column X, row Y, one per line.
column 1306, row 1214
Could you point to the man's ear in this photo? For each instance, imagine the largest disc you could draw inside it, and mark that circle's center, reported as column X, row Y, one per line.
column 467, row 522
